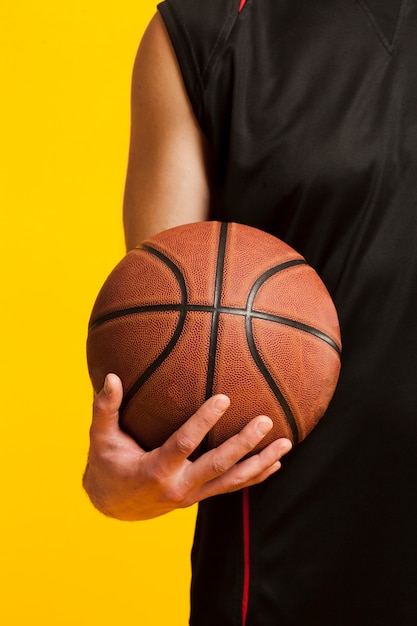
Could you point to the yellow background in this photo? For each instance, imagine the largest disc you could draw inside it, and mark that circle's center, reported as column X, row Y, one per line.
column 65, row 80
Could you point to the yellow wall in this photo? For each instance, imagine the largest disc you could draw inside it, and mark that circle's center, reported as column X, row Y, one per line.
column 65, row 79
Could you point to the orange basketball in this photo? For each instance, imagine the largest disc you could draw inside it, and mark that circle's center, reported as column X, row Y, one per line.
column 212, row 308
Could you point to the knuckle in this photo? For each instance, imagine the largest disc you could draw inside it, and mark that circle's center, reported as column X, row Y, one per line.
column 246, row 444
column 167, row 485
column 106, row 457
column 238, row 481
column 99, row 404
column 238, row 484
column 219, row 464
column 157, row 477
column 184, row 444
column 104, row 442
column 174, row 494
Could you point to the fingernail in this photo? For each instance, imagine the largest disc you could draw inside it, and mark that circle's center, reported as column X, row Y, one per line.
column 221, row 404
column 264, row 427
column 286, row 447
column 107, row 387
column 275, row 467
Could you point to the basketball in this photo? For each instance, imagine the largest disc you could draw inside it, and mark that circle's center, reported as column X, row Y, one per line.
column 216, row 307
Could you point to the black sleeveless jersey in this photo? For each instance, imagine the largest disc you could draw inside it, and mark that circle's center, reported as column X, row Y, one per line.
column 310, row 111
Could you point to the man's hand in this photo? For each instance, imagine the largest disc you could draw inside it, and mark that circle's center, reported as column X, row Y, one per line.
column 127, row 483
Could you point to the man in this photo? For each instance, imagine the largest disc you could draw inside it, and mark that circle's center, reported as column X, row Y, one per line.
column 299, row 118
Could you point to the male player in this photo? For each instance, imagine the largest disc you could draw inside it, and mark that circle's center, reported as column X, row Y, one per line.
column 299, row 118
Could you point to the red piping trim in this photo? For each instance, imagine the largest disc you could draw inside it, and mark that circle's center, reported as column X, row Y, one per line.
column 246, row 553
column 242, row 4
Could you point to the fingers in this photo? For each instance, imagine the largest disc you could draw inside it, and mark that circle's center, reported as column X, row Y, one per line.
column 128, row 483
column 218, row 466
column 189, row 436
column 220, row 460
column 107, row 403
column 249, row 472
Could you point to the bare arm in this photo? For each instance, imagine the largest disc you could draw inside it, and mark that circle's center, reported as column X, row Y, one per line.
column 167, row 185
column 167, row 180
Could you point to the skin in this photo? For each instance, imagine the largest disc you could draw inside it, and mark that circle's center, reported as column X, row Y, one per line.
column 167, row 184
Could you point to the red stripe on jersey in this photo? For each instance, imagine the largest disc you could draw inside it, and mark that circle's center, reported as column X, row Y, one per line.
column 246, row 553
column 242, row 4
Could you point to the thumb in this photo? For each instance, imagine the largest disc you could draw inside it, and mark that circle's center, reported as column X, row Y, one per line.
column 107, row 403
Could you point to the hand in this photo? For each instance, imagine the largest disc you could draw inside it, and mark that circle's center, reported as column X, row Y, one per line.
column 125, row 482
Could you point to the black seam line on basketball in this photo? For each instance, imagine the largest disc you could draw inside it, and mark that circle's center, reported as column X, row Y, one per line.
column 288, row 322
column 289, row 416
column 176, row 307
column 269, row 317
column 218, row 284
column 271, row 382
column 203, row 308
column 270, row 272
column 298, row 326
column 134, row 310
column 178, row 330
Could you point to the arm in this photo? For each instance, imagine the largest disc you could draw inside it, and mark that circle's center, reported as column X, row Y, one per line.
column 167, row 184
column 167, row 176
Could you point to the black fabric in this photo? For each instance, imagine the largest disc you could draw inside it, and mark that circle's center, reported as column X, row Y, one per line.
column 310, row 111
column 386, row 14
